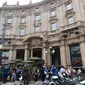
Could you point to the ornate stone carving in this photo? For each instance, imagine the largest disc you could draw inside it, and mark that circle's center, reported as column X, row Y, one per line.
column 22, row 25
column 37, row 23
column 69, row 12
column 36, row 41
column 53, row 19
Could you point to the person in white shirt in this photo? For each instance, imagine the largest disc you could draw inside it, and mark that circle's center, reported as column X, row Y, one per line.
column 62, row 69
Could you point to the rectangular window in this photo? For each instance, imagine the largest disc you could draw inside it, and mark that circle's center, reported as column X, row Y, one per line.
column 9, row 21
column 69, row 6
column 53, row 13
column 70, row 20
column 37, row 17
column 5, row 56
column 7, row 31
column 75, row 54
column 37, row 29
column 22, row 31
column 53, row 26
column 22, row 20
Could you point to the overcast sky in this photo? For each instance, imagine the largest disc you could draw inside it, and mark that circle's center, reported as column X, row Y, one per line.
column 21, row 2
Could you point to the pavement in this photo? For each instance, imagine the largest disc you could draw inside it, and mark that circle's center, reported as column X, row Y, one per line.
column 38, row 82
column 18, row 83
column 34, row 83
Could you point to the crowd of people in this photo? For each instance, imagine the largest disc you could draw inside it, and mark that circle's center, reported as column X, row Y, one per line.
column 27, row 73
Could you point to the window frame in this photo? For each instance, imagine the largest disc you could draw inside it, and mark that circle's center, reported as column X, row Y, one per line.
column 37, row 17
column 9, row 20
column 21, row 20
column 6, row 32
column 37, row 30
column 69, row 20
column 22, row 32
column 69, row 6
column 53, row 29
column 52, row 13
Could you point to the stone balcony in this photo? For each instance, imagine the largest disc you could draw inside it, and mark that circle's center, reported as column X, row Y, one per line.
column 22, row 25
column 72, row 26
column 8, row 36
column 37, row 23
column 69, row 12
column 53, row 18
column 9, row 25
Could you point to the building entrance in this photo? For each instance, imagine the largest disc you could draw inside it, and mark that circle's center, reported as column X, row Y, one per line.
column 37, row 52
column 76, row 60
column 20, row 54
column 55, row 56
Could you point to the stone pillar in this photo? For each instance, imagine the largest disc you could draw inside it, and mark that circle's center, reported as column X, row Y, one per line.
column 44, row 53
column 82, row 50
column 12, row 54
column 63, row 55
column 31, row 53
column 48, row 57
column 26, row 55
column 68, row 55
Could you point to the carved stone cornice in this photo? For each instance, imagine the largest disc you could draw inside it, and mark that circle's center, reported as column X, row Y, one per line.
column 72, row 26
column 37, row 23
column 72, row 43
column 22, row 25
column 69, row 12
column 42, row 35
column 37, row 13
column 67, row 1
column 53, row 19
column 62, row 43
column 63, row 35
column 82, row 39
column 9, row 25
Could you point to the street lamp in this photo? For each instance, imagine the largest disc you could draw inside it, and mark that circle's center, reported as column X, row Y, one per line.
column 2, row 41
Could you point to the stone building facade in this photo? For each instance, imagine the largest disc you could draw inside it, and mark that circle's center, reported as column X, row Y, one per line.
column 53, row 30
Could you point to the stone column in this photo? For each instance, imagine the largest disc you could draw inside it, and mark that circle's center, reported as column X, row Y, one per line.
column 63, row 55
column 48, row 57
column 68, row 55
column 44, row 52
column 12, row 54
column 26, row 53
column 31, row 53
column 82, row 50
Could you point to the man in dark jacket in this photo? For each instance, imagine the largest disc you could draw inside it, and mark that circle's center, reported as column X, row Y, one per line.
column 25, row 74
column 5, row 74
column 42, row 75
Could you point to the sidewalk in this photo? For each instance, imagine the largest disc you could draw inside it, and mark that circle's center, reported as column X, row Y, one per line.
column 18, row 83
column 38, row 83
